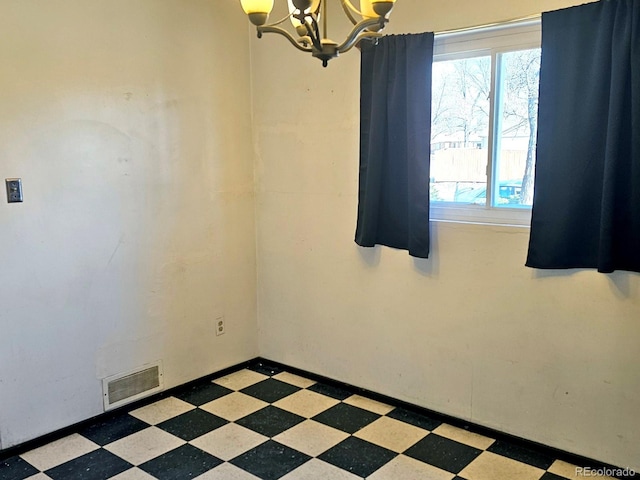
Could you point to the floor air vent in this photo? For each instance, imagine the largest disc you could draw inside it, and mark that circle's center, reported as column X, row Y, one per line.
column 125, row 388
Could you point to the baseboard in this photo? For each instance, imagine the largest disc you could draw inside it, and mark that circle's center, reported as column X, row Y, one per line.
column 63, row 432
column 266, row 363
column 559, row 454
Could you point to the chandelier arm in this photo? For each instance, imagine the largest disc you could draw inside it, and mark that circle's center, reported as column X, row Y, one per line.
column 284, row 33
column 279, row 21
column 356, row 34
column 345, row 48
column 314, row 33
column 306, row 40
column 349, row 10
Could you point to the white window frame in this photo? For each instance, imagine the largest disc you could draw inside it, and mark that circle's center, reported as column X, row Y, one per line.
column 486, row 41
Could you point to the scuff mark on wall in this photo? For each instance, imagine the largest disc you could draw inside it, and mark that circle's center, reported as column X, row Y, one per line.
column 120, row 242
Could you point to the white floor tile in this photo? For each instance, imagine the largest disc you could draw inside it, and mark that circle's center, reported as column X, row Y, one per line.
column 406, row 468
column 58, row 452
column 306, row 403
column 226, row 471
column 392, row 434
column 39, row 476
column 234, row 406
column 144, row 445
column 368, row 404
column 316, row 469
column 240, row 379
column 133, row 474
column 489, row 466
column 229, row 441
column 162, row 410
column 464, row 436
column 570, row 471
column 294, row 379
column 311, row 437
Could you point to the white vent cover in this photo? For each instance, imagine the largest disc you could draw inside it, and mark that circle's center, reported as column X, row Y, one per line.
column 126, row 387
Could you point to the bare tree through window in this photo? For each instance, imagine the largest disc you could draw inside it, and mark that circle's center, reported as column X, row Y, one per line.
column 461, row 118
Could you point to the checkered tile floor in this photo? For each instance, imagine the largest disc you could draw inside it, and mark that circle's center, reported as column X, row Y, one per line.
column 265, row 423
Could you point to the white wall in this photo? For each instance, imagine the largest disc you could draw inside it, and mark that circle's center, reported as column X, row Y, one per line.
column 548, row 356
column 129, row 124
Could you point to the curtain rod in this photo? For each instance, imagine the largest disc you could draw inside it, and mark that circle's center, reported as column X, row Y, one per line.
column 504, row 23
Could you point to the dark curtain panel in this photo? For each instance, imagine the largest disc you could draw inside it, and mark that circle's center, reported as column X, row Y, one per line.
column 586, row 207
column 395, row 137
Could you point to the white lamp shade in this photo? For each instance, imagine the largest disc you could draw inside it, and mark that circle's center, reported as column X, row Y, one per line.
column 257, row 6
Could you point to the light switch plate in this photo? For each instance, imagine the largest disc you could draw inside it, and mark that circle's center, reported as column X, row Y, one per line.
column 14, row 190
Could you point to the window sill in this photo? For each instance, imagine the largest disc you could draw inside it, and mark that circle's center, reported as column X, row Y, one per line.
column 477, row 214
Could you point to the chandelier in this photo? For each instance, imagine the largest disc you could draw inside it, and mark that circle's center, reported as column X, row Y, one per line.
column 306, row 16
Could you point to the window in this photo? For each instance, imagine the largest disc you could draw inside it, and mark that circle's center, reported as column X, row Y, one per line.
column 484, row 123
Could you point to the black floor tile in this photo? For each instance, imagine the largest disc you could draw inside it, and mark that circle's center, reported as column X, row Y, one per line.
column 15, row 468
column 357, row 456
column 192, row 424
column 113, row 428
column 270, row 461
column 330, row 391
column 551, row 476
column 97, row 465
column 443, row 453
column 414, row 418
column 270, row 390
column 266, row 369
column 521, row 454
column 347, row 418
column 200, row 394
column 181, row 463
column 270, row 421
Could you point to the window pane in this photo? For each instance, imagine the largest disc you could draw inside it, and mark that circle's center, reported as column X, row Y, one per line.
column 517, row 114
column 460, row 130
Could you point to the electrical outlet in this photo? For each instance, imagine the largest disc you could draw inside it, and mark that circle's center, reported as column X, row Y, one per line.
column 14, row 190
column 220, row 326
